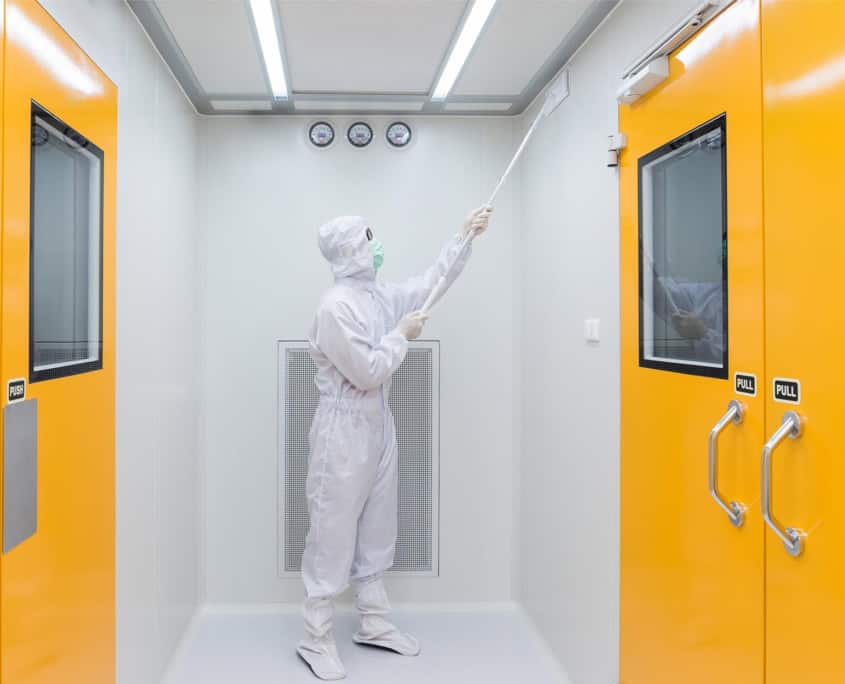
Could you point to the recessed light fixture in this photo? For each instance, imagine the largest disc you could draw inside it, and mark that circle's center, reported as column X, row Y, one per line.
column 478, row 16
column 271, row 50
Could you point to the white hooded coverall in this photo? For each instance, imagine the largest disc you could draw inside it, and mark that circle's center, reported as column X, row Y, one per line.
column 352, row 484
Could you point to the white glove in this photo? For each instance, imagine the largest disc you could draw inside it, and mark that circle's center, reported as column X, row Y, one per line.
column 411, row 326
column 477, row 221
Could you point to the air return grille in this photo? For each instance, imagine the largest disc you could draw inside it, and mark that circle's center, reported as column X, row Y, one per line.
column 414, row 402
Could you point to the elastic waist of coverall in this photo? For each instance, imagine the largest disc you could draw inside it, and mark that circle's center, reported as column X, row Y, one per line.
column 372, row 402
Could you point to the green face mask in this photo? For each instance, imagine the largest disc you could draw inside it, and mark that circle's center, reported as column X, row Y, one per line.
column 377, row 250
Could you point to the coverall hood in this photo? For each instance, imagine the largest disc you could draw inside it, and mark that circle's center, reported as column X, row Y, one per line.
column 343, row 242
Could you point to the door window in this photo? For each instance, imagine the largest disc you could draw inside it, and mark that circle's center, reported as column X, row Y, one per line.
column 66, row 212
column 683, row 254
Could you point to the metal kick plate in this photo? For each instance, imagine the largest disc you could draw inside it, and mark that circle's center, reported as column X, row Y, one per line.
column 20, row 472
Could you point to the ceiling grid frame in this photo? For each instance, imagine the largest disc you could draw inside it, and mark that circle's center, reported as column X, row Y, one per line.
column 371, row 103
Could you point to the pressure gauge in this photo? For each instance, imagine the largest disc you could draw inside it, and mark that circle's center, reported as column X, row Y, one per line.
column 399, row 134
column 321, row 134
column 360, row 134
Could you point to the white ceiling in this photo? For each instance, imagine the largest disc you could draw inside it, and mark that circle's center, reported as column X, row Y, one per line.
column 216, row 38
column 367, row 46
column 517, row 41
column 367, row 55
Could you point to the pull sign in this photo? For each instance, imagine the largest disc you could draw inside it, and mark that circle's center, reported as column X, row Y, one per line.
column 745, row 383
column 787, row 390
column 16, row 390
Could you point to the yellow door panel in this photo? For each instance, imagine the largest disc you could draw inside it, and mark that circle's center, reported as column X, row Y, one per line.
column 804, row 107
column 2, row 215
column 691, row 582
column 57, row 609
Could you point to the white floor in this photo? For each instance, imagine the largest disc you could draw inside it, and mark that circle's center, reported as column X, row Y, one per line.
column 256, row 646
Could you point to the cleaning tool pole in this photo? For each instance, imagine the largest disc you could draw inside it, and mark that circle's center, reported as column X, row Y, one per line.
column 555, row 95
column 439, row 289
column 515, row 159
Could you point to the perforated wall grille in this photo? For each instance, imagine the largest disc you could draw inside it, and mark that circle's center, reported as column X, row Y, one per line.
column 300, row 404
column 411, row 404
column 413, row 400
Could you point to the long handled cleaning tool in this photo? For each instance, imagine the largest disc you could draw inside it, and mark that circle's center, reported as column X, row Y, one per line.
column 556, row 93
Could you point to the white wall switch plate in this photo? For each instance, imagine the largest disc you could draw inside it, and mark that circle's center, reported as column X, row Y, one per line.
column 591, row 330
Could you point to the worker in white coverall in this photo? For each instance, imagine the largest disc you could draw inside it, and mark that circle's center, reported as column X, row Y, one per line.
column 358, row 339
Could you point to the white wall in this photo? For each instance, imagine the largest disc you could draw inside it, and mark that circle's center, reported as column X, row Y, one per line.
column 157, row 478
column 265, row 191
column 569, row 462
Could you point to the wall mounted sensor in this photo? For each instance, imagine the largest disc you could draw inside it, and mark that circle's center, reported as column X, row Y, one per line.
column 615, row 143
column 644, row 80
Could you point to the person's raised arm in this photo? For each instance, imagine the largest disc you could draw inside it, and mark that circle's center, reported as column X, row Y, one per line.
column 411, row 294
column 344, row 341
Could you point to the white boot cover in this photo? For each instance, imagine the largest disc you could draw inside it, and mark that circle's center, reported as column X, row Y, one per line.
column 318, row 647
column 375, row 630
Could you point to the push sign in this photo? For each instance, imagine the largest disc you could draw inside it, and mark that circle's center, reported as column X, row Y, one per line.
column 16, row 391
column 745, row 383
column 786, row 390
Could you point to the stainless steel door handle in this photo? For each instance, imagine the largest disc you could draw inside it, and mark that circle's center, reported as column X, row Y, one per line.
column 792, row 538
column 735, row 510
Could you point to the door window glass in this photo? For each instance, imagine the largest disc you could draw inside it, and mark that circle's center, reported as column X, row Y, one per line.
column 65, row 250
column 683, row 254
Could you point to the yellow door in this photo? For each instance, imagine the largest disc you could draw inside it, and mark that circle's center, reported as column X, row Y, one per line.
column 804, row 108
column 59, row 134
column 691, row 291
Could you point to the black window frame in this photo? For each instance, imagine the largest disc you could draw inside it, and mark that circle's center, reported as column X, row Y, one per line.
column 723, row 372
column 77, row 368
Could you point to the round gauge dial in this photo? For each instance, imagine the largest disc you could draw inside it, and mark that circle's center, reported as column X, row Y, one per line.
column 360, row 134
column 399, row 134
column 321, row 134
